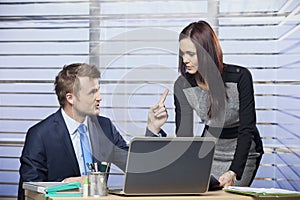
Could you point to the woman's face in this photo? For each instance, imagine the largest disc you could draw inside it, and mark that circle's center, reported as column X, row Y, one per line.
column 189, row 55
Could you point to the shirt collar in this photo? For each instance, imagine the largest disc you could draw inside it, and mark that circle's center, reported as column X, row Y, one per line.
column 72, row 125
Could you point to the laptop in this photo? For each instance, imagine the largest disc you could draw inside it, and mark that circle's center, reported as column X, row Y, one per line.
column 167, row 166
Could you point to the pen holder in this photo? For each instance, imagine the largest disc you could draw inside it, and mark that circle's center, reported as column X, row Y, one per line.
column 97, row 184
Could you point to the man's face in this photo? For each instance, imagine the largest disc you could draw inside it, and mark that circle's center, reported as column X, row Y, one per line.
column 87, row 100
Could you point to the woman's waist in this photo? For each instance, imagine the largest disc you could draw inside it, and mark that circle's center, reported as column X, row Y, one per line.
column 224, row 133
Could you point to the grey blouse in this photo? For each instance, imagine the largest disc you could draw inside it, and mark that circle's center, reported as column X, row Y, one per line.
column 199, row 100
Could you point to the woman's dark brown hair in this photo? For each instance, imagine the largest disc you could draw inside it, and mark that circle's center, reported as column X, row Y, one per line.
column 204, row 37
column 210, row 61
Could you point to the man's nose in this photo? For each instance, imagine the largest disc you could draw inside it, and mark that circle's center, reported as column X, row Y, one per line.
column 98, row 97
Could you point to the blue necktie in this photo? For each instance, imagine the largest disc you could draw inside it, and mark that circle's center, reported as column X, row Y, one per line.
column 85, row 147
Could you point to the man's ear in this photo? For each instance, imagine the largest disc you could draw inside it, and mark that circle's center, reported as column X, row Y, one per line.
column 69, row 98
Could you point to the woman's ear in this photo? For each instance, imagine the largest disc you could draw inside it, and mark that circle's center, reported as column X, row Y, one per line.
column 69, row 98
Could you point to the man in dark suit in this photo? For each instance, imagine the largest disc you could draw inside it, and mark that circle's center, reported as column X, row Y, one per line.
column 52, row 149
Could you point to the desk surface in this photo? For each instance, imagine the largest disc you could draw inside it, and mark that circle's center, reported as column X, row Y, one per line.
column 220, row 195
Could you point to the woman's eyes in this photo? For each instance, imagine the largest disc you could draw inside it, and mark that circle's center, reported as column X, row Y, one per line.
column 190, row 53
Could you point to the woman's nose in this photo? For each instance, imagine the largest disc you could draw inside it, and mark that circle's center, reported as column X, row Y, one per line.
column 185, row 60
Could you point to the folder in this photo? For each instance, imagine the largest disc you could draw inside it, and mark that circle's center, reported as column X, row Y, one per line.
column 262, row 192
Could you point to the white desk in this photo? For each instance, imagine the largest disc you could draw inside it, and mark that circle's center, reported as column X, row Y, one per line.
column 216, row 195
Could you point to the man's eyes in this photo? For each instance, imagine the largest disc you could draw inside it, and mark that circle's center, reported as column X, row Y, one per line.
column 94, row 91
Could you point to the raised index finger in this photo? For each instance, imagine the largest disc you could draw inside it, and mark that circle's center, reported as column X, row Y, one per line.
column 163, row 97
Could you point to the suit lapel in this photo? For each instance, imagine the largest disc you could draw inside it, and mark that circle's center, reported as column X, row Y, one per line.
column 63, row 133
column 101, row 145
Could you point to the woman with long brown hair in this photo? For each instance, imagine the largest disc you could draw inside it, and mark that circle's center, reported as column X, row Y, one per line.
column 222, row 96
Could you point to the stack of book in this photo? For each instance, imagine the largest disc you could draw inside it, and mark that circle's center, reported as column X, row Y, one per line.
column 55, row 189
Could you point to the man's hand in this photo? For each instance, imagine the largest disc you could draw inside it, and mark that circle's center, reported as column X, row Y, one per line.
column 227, row 179
column 158, row 114
column 75, row 179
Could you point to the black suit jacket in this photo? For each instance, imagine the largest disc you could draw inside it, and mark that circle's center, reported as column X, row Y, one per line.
column 48, row 153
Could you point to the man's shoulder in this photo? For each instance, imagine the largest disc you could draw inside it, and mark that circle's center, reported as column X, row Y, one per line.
column 44, row 127
column 103, row 119
column 47, row 122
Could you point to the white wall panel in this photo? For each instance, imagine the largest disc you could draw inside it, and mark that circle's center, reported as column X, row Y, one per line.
column 39, row 48
column 249, row 32
column 44, row 9
column 252, row 60
column 36, row 34
column 266, row 116
column 7, row 151
column 25, row 113
column 28, row 74
column 264, row 102
column 156, row 7
column 16, row 126
column 267, row 130
column 246, row 46
column 10, row 164
column 29, row 100
column 240, row 6
column 26, row 87
column 40, row 61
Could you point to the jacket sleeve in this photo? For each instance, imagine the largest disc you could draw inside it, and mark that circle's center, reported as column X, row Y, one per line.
column 247, row 126
column 33, row 161
column 161, row 133
column 33, row 158
column 183, row 111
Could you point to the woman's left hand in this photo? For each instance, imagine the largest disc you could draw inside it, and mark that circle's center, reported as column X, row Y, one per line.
column 158, row 114
column 227, row 179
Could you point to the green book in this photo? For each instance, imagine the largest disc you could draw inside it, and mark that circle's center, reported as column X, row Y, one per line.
column 63, row 194
column 71, row 189
column 262, row 192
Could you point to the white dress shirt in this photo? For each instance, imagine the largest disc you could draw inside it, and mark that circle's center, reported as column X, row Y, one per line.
column 72, row 126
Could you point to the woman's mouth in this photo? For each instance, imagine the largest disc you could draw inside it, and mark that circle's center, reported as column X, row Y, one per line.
column 189, row 67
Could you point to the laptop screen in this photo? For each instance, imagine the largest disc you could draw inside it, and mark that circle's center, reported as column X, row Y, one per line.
column 169, row 165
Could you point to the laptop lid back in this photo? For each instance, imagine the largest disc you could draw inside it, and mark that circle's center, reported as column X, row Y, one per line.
column 169, row 165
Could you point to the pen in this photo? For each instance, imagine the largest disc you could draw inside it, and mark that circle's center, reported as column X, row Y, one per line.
column 90, row 166
column 106, row 170
column 96, row 167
